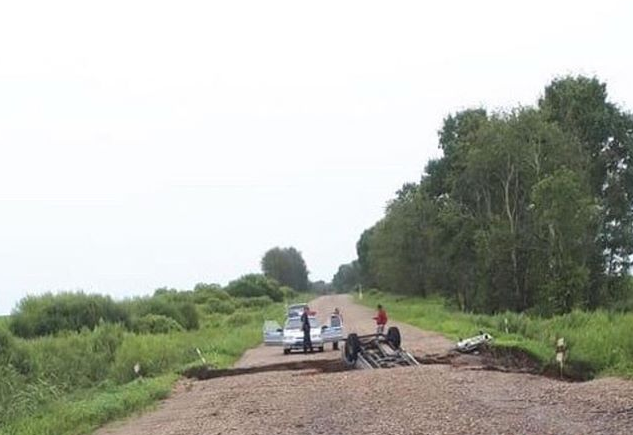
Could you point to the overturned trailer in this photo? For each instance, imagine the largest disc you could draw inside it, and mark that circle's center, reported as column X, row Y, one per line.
column 376, row 351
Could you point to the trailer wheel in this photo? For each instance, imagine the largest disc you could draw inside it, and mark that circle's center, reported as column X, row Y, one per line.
column 335, row 345
column 393, row 337
column 352, row 347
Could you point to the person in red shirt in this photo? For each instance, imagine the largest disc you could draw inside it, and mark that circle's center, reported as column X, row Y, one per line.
column 381, row 320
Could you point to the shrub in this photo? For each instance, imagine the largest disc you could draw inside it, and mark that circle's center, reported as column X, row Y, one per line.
column 185, row 313
column 238, row 319
column 256, row 302
column 254, row 285
column 288, row 292
column 215, row 305
column 156, row 324
column 48, row 314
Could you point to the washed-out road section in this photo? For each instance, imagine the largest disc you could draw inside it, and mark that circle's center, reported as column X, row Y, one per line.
column 429, row 399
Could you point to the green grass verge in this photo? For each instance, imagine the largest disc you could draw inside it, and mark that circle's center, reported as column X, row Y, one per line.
column 82, row 415
column 599, row 343
column 84, row 380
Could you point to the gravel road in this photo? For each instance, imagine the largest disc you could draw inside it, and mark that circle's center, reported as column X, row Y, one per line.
column 430, row 399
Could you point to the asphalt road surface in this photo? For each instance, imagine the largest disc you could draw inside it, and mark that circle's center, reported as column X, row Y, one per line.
column 429, row 399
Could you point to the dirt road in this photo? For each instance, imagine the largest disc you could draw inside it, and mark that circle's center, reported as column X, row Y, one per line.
column 430, row 399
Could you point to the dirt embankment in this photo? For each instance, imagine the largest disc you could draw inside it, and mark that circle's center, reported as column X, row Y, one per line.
column 269, row 393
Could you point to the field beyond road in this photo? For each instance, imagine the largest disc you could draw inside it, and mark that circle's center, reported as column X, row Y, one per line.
column 430, row 399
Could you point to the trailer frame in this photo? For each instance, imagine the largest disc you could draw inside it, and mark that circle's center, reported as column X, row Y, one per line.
column 375, row 351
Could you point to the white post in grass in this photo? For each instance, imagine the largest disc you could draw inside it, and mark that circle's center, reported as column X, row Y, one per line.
column 560, row 354
column 204, row 361
column 360, row 292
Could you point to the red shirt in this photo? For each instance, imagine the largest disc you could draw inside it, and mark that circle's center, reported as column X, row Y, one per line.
column 381, row 318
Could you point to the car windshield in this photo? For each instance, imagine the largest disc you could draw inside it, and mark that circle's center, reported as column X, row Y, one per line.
column 296, row 323
column 296, row 307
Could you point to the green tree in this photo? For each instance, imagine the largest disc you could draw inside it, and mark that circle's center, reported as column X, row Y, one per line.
column 529, row 208
column 579, row 105
column 286, row 265
column 347, row 277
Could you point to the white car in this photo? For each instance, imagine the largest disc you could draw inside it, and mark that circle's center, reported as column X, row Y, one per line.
column 296, row 310
column 291, row 335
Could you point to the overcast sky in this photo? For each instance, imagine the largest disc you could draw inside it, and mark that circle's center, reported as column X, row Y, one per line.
column 148, row 143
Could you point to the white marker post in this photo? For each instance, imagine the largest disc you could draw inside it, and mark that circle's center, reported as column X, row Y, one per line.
column 204, row 361
column 560, row 354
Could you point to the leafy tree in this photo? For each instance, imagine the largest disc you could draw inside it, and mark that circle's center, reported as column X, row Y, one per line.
column 579, row 105
column 527, row 209
column 286, row 265
column 347, row 278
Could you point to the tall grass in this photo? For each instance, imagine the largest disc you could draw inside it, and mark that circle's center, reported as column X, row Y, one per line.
column 599, row 342
column 74, row 381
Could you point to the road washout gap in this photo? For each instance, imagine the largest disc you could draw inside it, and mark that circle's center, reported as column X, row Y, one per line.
column 492, row 358
column 203, row 372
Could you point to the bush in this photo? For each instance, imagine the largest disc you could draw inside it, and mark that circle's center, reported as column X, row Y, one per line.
column 49, row 314
column 238, row 319
column 156, row 324
column 185, row 313
column 288, row 292
column 12, row 354
column 219, row 306
column 256, row 302
column 203, row 293
column 374, row 293
column 254, row 285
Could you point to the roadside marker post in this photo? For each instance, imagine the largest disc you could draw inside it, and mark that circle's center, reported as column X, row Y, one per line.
column 561, row 349
column 204, row 361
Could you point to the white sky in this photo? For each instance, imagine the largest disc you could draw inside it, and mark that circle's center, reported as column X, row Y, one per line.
column 148, row 143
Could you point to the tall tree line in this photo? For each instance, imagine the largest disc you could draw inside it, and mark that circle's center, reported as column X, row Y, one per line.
column 526, row 209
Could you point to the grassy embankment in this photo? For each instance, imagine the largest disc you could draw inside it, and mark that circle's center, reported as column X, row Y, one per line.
column 600, row 343
column 73, row 382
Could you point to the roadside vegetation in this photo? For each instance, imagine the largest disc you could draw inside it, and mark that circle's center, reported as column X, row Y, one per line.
column 71, row 362
column 599, row 343
column 526, row 216
column 528, row 209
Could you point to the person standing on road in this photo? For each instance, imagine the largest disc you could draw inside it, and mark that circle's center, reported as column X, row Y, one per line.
column 381, row 320
column 305, row 326
column 337, row 313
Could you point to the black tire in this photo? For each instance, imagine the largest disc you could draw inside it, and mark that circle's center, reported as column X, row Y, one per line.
column 286, row 351
column 393, row 337
column 352, row 347
column 335, row 345
column 321, row 349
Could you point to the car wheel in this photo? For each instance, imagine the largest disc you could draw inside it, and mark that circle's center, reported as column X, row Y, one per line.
column 321, row 349
column 335, row 345
column 286, row 351
column 393, row 337
column 352, row 347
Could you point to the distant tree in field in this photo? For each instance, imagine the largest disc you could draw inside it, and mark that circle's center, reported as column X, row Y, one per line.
column 347, row 278
column 321, row 287
column 286, row 265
